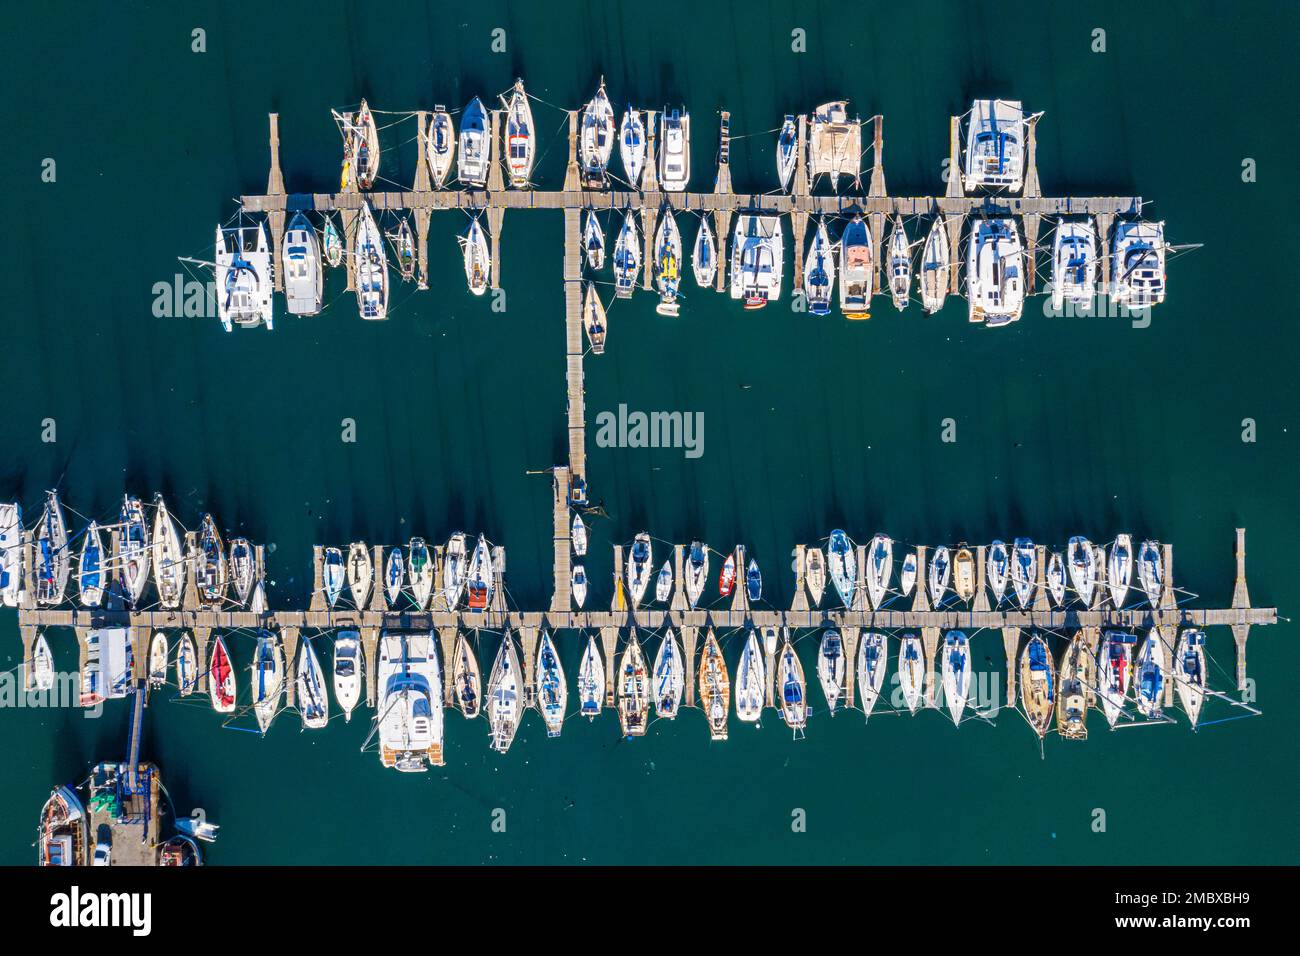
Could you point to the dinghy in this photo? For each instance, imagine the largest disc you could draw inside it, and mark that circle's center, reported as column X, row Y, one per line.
column 1038, row 684
column 794, row 689
column 995, row 272
column 332, row 245
column 751, row 680
column 593, row 242
column 704, row 257
column 43, row 674
column 465, row 678
column 244, row 275
column 787, row 142
column 627, row 257
column 638, row 567
column 454, row 570
column 360, row 573
column 1151, row 571
column 757, row 259
column 935, row 267
column 313, row 703
column 578, row 585
column 727, row 576
column 159, row 655
column 769, row 642
column 210, row 564
column 857, row 270
column 478, row 260
column 830, row 667
column 1119, row 569
column 633, row 689
column 394, row 576
column 552, row 692
column 1149, row 676
column 596, row 138
column 697, row 572
column 715, row 687
column 632, row 146
column 1056, row 578
column 593, row 320
column 843, row 564
column 907, row 577
column 591, row 680
column 1189, row 673
column 133, row 550
column 956, row 673
column 1138, row 265
column 409, row 715
column 1024, row 571
column 520, row 137
column 472, row 164
column 440, row 147
column 1115, row 661
column 243, row 569
column 664, row 582
column 674, row 150
column 11, row 553
column 90, row 567
column 53, row 560
column 994, row 158
column 371, row 260
column 347, row 671
column 1078, row 680
column 911, row 671
column 668, row 264
column 754, row 581
column 421, row 569
column 505, row 695
column 268, row 679
column 819, row 271
column 999, row 568
column 480, row 580
column 168, row 558
column 579, row 536
column 221, row 677
column 1082, row 560
column 187, row 672
column 940, row 575
column 900, row 265
column 814, row 574
column 880, row 568
column 963, row 574
column 403, row 241
column 873, row 657
column 1074, row 265
column 670, row 676
column 360, row 149
column 304, row 281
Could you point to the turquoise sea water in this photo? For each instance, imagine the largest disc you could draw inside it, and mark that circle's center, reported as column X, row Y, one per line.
column 1064, row 426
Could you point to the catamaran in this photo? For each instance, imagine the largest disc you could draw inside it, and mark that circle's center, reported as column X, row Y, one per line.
column 552, row 692
column 715, row 687
column 911, row 671
column 787, row 143
column 697, row 572
column 1078, row 680
column 159, row 656
column 757, row 257
column 900, row 265
column 674, row 150
column 347, row 671
column 1024, row 571
column 956, row 673
column 940, row 574
column 1151, row 571
column 371, row 260
column 440, row 147
column 664, row 583
column 814, row 574
column 857, row 270
column 591, row 680
column 133, row 549
column 11, row 553
column 1115, row 661
column 1138, row 264
column 303, row 275
column 409, row 715
column 187, row 672
column 638, row 567
column 465, row 678
column 245, row 277
column 210, row 572
column 873, row 656
column 505, row 704
column 313, row 702
column 472, row 164
column 935, row 267
column 1149, row 676
column 995, row 272
column 669, row 676
column 1056, row 578
column 1038, row 684
column 633, row 689
column 168, row 558
column 704, row 257
column 221, row 677
column 361, row 573
column 999, row 568
column 268, row 678
column 843, row 564
column 751, row 681
column 963, row 574
column 420, row 566
column 1074, row 264
column 819, row 271
column 834, row 144
column 1083, row 568
column 520, row 137
column 578, row 534
column 394, row 576
column 593, row 242
column 1119, row 569
column 480, row 580
column 594, row 320
column 52, row 555
column 361, row 151
column 632, row 146
column 90, row 567
column 596, row 138
column 1189, row 673
column 478, row 260
column 332, row 575
column 627, row 257
column 830, row 667
column 668, row 264
column 794, row 689
column 243, row 569
column 907, row 576
column 995, row 143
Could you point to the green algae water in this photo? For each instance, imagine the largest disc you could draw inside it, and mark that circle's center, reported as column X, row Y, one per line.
column 1064, row 425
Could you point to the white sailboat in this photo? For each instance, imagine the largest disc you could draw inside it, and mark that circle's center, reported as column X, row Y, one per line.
column 478, row 259
column 480, row 579
column 520, row 137
column 873, row 659
column 1055, row 578
column 751, row 681
column 303, row 273
column 1149, row 676
column 168, row 558
column 90, row 567
column 578, row 535
column 455, row 568
column 830, row 667
column 674, row 150
column 578, row 585
column 669, row 676
column 361, row 573
column 187, row 672
column 638, row 567
column 814, row 574
column 268, row 678
column 440, row 146
column 1024, row 571
column 956, row 673
column 999, row 570
column 552, row 692
column 475, row 150
column 1115, row 663
column 900, row 265
column 668, row 263
column 633, row 689
column 347, row 671
column 505, row 695
column 371, row 261
column 632, row 146
column 787, row 143
column 420, row 565
column 593, row 242
column 1082, row 559
column 210, row 570
column 907, row 576
column 697, row 572
column 312, row 700
column 43, row 673
column 704, row 257
column 757, row 259
column 361, row 152
column 627, row 257
column 159, row 658
column 1189, row 673
column 1119, row 569
column 465, row 678
column 794, row 689
column 911, row 671
column 591, row 680
column 880, row 568
column 1151, row 571
column 53, row 557
column 843, row 563
column 332, row 575
column 664, row 583
column 940, row 574
column 243, row 569
column 935, row 267
column 819, row 271
column 394, row 577
column 133, row 551
column 995, row 272
column 11, row 553
column 596, row 138
column 594, row 321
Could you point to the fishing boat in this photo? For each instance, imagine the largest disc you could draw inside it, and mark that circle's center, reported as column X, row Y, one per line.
column 638, row 567
column 361, row 151
column 715, row 687
column 304, row 281
column 53, row 560
column 1078, row 678
column 633, row 689
column 421, row 568
column 268, row 678
column 857, row 270
column 43, row 673
column 794, row 689
column 753, row 581
column 1056, row 578
column 313, row 702
column 632, row 146
column 1151, row 571
column 1149, row 675
column 935, row 267
column 727, row 576
column 480, row 580
column 830, row 667
column 159, row 655
column 179, row 851
column 332, row 246
column 475, row 150
column 999, row 569
column 63, row 837
column 187, row 661
column 995, row 272
column 819, row 271
column 440, row 147
column 1024, row 571
column 465, row 678
column 900, row 265
column 757, row 258
column 505, row 704
column 1074, row 264
column 956, row 673
column 348, row 666
column 907, row 576
column 361, row 573
column 408, row 708
column 1119, row 569
column 627, row 257
column 704, row 257
column 578, row 535
column 963, row 574
column 591, row 680
column 478, row 260
column 394, row 576
column 244, row 268
column 168, row 558
column 221, row 677
column 403, row 241
column 697, row 572
column 843, row 564
column 1038, row 684
column 674, row 150
column 814, row 574
column 210, row 572
column 787, row 143
column 596, row 138
column 90, row 567
column 1082, row 560
column 593, row 319
column 880, row 568
column 995, row 146
column 751, row 681
column 1138, row 264
column 664, row 582
column 455, row 568
column 552, row 692
column 11, row 554
column 520, row 137
column 593, row 242
column 332, row 575
column 1189, row 673
column 371, row 263
column 940, row 574
column 1115, row 661
column 873, row 658
column 668, row 264
column 911, row 671
column 578, row 585
column 669, row 677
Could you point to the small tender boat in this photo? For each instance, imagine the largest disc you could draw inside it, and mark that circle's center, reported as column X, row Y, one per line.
column 596, row 138
column 940, row 574
column 995, row 146
column 830, row 667
column 591, row 680
column 1115, row 661
column 857, row 270
column 1151, row 571
column 757, row 259
column 552, row 692
column 63, row 837
column 1149, row 676
column 210, row 570
column 593, row 242
column 880, row 568
column 347, row 671
column 504, row 695
column 1189, row 673
column 168, row 558
column 244, row 274
column 268, row 679
column 704, row 257
column 935, row 267
column 674, row 150
column 520, row 137
column 313, row 702
column 727, row 576
column 159, row 655
column 421, row 568
column 769, row 641
column 409, row 704
column 472, row 164
column 1082, row 559
column 455, row 567
column 814, row 574
column 360, row 148
column 911, row 671
column 715, row 687
column 999, row 569
column 873, row 657
column 754, row 581
column 480, row 580
column 668, row 264
column 1024, row 571
column 670, row 676
column 1074, row 264
column 627, row 257
column 1138, row 264
column 221, row 677
column 794, row 689
column 304, row 280
column 478, row 260
column 787, row 143
column 578, row 585
column 53, row 560
column 43, row 674
column 133, row 549
column 900, row 265
column 907, row 577
column 394, row 576
column 403, row 241
column 956, row 672
column 963, row 574
column 819, row 271
column 332, row 575
column 242, row 569
column 371, row 260
column 843, row 564
column 1119, row 569
column 465, row 678
column 632, row 146
column 638, row 567
column 1038, row 684
column 332, row 245
column 1056, row 578
column 440, row 147
column 361, row 573
column 751, row 681
column 187, row 672
column 593, row 319
column 11, row 553
column 90, row 567
column 664, row 582
column 697, row 572
column 633, row 689
column 995, row 272
column 579, row 535
column 1078, row 680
